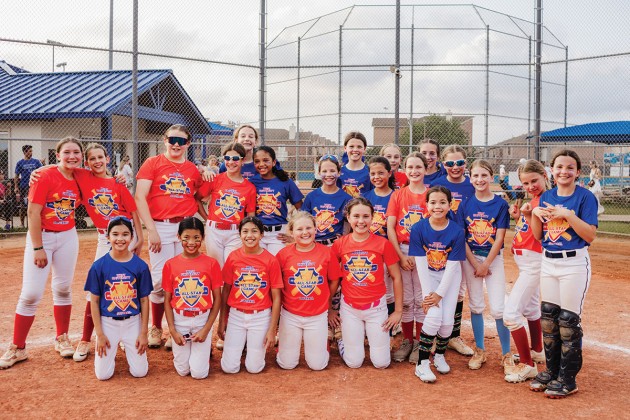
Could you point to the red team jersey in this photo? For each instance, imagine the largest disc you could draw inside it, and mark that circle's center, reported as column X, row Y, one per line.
column 58, row 196
column 401, row 179
column 191, row 282
column 524, row 238
column 252, row 277
column 229, row 200
column 173, row 187
column 362, row 267
column 104, row 198
column 408, row 208
column 306, row 276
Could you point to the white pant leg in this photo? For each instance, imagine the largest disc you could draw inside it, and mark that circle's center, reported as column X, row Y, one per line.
column 316, row 341
column 380, row 353
column 434, row 316
column 243, row 327
column 389, row 286
column 129, row 332
column 257, row 326
column 102, row 246
column 412, row 292
column 448, row 305
column 170, row 248
column 353, row 331
column 192, row 358
column 271, row 242
column 524, row 298
column 495, row 286
column 64, row 261
column 418, row 313
column 462, row 285
column 565, row 281
column 104, row 365
column 474, row 285
column 220, row 243
column 235, row 336
column 290, row 340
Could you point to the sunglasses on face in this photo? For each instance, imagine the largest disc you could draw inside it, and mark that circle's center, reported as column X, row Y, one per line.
column 232, row 158
column 329, row 157
column 180, row 141
column 451, row 163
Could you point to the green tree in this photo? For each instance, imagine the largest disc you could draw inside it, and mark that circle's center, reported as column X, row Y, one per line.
column 438, row 128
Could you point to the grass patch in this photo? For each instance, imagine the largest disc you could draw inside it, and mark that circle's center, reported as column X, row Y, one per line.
column 616, row 208
column 614, row 227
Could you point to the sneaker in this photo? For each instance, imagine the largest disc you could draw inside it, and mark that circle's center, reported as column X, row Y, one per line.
column 537, row 357
column 82, row 351
column 155, row 337
column 459, row 346
column 64, row 346
column 507, row 361
column 168, row 345
column 341, row 347
column 12, row 356
column 478, row 359
column 559, row 389
column 521, row 373
column 423, row 371
column 219, row 344
column 403, row 351
column 440, row 364
column 415, row 353
column 541, row 381
column 396, row 330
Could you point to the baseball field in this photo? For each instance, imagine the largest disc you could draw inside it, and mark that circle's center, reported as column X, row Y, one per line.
column 51, row 387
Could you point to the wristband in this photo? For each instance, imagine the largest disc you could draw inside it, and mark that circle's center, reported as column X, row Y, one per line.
column 39, row 248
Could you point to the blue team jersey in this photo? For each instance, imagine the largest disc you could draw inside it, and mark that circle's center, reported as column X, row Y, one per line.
column 429, row 180
column 248, row 170
column 482, row 219
column 460, row 193
column 355, row 183
column 271, row 199
column 23, row 168
column 328, row 212
column 558, row 235
column 379, row 220
column 439, row 246
column 120, row 286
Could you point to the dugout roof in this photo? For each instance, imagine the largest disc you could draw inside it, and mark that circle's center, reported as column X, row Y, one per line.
column 613, row 132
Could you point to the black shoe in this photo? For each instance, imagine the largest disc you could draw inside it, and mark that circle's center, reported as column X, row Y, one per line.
column 559, row 389
column 541, row 381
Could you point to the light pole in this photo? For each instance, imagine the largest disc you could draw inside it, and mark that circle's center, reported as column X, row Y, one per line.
column 64, row 64
column 53, row 43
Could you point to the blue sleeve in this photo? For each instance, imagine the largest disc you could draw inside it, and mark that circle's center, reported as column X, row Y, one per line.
column 458, row 253
column 39, row 164
column 92, row 283
column 306, row 206
column 222, row 167
column 145, row 283
column 503, row 218
column 588, row 208
column 294, row 193
column 18, row 167
column 415, row 241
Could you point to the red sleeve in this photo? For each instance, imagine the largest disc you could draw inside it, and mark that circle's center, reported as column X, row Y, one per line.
column 205, row 188
column 147, row 169
column 167, row 281
column 334, row 269
column 227, row 271
column 39, row 190
column 215, row 281
column 392, row 207
column 251, row 199
column 389, row 254
column 126, row 199
column 275, row 274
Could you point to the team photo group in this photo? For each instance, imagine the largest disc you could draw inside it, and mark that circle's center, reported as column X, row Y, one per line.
column 381, row 245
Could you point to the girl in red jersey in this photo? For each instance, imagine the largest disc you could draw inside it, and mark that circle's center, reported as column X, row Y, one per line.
column 363, row 257
column 524, row 299
column 251, row 297
column 165, row 195
column 406, row 207
column 192, row 287
column 311, row 276
column 392, row 153
column 52, row 242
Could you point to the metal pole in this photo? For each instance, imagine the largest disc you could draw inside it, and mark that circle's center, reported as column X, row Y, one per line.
column 53, row 63
column 340, row 78
column 262, row 70
column 397, row 77
column 529, row 96
column 566, row 82
column 411, row 94
column 111, row 34
column 487, row 106
column 297, row 130
column 537, row 86
column 134, row 89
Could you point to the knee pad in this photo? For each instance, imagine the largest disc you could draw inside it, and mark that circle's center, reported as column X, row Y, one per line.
column 570, row 328
column 549, row 317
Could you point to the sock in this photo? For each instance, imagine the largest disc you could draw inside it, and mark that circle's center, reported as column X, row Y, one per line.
column 407, row 328
column 21, row 327
column 458, row 319
column 522, row 345
column 157, row 311
column 535, row 334
column 504, row 336
column 391, row 307
column 440, row 344
column 425, row 344
column 418, row 329
column 88, row 323
column 62, row 318
column 477, row 326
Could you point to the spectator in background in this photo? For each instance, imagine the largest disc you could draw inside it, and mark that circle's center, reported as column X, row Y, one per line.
column 213, row 164
column 317, row 181
column 23, row 170
column 4, row 201
column 549, row 174
column 124, row 168
column 594, row 184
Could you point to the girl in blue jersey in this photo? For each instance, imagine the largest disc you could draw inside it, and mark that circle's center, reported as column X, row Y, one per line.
column 355, row 175
column 430, row 149
column 439, row 247
column 273, row 190
column 566, row 223
column 120, row 284
column 486, row 217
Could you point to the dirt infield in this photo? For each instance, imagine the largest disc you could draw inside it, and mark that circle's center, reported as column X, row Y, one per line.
column 48, row 386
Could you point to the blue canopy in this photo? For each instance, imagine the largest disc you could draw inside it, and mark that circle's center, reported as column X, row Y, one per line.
column 612, row 132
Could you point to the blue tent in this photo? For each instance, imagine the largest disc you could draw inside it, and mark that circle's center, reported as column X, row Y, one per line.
column 613, row 132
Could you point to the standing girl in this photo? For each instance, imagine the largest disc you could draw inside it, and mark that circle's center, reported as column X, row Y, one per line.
column 430, row 149
column 486, row 217
column 165, row 195
column 439, row 247
column 273, row 190
column 52, row 241
column 363, row 257
column 119, row 284
column 566, row 223
column 311, row 276
column 524, row 299
column 406, row 207
column 192, row 287
column 355, row 176
column 252, row 298
column 247, row 136
column 392, row 153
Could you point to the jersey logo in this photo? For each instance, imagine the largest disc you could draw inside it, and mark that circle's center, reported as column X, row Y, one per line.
column 324, row 220
column 268, row 204
column 249, row 284
column 521, row 228
column 378, row 223
column 175, row 186
column 306, row 281
column 410, row 219
column 63, row 207
column 436, row 258
column 555, row 229
column 103, row 203
column 121, row 293
column 361, row 268
column 455, row 202
column 353, row 190
column 481, row 230
column 191, row 290
column 229, row 205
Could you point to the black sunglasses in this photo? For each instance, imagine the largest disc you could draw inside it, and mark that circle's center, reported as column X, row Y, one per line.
column 181, row 141
column 232, row 158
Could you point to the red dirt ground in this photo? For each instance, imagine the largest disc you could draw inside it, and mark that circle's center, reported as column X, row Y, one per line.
column 48, row 386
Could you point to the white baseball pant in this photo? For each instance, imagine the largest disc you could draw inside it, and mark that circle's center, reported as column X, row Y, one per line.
column 355, row 324
column 389, row 286
column 271, row 242
column 439, row 319
column 495, row 286
column 171, row 247
column 412, row 293
column 127, row 332
column 242, row 328
column 565, row 281
column 314, row 329
column 62, row 249
column 192, row 358
column 220, row 243
column 462, row 285
column 524, row 299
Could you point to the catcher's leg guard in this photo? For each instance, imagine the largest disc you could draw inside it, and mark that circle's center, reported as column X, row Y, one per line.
column 552, row 343
column 571, row 334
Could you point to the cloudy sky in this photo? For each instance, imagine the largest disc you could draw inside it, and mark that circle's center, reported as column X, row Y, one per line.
column 227, row 31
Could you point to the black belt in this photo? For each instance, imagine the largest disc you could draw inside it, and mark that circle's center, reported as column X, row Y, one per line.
column 121, row 318
column 562, row 254
column 272, row 228
column 327, row 241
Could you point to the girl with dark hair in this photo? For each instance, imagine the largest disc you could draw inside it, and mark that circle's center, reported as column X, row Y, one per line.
column 355, row 176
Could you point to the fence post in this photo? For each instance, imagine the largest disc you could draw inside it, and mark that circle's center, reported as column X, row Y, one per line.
column 487, row 106
column 297, row 130
column 262, row 70
column 538, row 84
column 134, row 91
column 339, row 108
column 397, row 78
